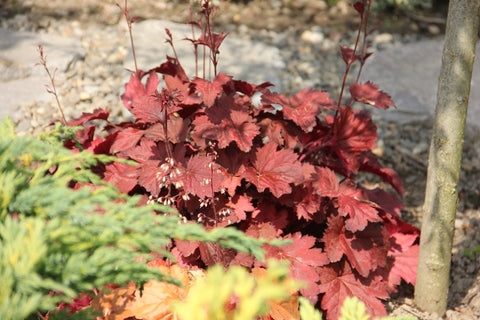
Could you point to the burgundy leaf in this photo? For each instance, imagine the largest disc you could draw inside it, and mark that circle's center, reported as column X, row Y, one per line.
column 371, row 164
column 348, row 55
column 177, row 130
column 303, row 107
column 354, row 133
column 172, row 68
column 359, row 7
column 122, row 176
column 338, row 283
column 97, row 114
column 304, row 258
column 210, row 90
column 236, row 127
column 359, row 213
column 147, row 176
column 368, row 93
column 201, row 177
column 326, row 182
column 240, row 205
column 126, row 139
column 404, row 259
column 365, row 251
column 274, row 170
column 280, row 132
column 307, row 202
column 141, row 100
column 146, row 150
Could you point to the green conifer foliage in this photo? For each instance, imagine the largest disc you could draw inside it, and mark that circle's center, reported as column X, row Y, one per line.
column 55, row 238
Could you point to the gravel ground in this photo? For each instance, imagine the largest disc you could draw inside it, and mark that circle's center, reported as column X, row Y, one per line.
column 308, row 33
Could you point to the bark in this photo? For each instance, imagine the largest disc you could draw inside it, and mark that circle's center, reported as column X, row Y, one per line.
column 441, row 195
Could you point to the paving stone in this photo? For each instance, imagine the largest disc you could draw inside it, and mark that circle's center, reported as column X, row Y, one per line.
column 244, row 60
column 20, row 80
column 409, row 73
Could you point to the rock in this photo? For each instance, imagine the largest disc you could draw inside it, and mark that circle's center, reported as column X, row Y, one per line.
column 23, row 82
column 244, row 60
column 409, row 74
column 383, row 38
column 434, row 29
column 312, row 36
column 20, row 48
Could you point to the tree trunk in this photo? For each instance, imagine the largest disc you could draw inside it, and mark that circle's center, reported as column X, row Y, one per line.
column 441, row 195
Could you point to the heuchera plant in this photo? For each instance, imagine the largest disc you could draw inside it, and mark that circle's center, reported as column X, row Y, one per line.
column 285, row 168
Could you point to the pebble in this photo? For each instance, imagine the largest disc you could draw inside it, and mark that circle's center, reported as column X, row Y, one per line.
column 434, row 29
column 312, row 36
column 383, row 38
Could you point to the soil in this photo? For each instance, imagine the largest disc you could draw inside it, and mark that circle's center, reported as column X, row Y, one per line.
column 399, row 140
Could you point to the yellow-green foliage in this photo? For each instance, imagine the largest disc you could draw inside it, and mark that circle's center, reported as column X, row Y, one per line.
column 54, row 238
column 354, row 309
column 308, row 311
column 208, row 297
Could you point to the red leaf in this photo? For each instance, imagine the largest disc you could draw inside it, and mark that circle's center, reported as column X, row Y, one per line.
column 147, row 150
column 201, row 177
column 97, row 114
column 214, row 40
column 236, row 127
column 212, row 253
column 266, row 212
column 371, row 164
column 148, row 178
column 240, row 206
column 274, row 170
column 210, row 90
column 386, row 200
column 365, row 251
column 177, row 130
column 304, row 260
column 126, row 139
column 232, row 163
column 354, row 133
column 368, row 93
column 122, row 176
column 359, row 213
column 340, row 282
column 172, row 68
column 303, row 107
column 307, row 202
column 183, row 89
column 403, row 255
column 280, row 132
column 142, row 100
column 265, row 230
column 326, row 182
column 348, row 55
column 187, row 248
column 85, row 136
column 359, row 7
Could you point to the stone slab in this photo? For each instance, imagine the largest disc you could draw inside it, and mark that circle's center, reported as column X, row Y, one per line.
column 250, row 61
column 409, row 73
column 20, row 80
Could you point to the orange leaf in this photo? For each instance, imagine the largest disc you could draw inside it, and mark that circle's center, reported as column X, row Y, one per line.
column 115, row 304
column 280, row 310
column 286, row 310
column 155, row 301
column 157, row 297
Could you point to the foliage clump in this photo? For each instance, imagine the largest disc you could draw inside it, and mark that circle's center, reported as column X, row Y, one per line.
column 284, row 167
column 63, row 231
